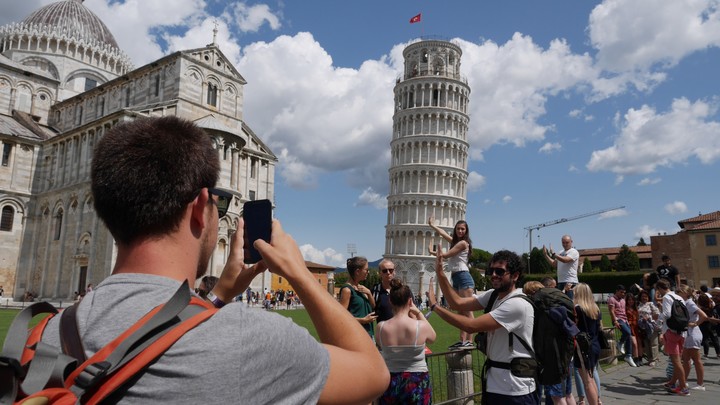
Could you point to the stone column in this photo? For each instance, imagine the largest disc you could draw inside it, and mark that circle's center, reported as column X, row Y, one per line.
column 460, row 376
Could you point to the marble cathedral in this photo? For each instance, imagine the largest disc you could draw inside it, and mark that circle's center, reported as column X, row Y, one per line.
column 63, row 83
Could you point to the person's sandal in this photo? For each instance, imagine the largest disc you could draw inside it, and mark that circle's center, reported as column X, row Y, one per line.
column 580, row 401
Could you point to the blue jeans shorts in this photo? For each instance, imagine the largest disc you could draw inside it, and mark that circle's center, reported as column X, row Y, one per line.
column 560, row 390
column 462, row 280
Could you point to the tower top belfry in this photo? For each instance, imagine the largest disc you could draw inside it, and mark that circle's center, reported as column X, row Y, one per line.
column 429, row 156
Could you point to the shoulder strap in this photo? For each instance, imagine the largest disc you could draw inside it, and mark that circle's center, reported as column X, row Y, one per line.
column 491, row 301
column 417, row 331
column 70, row 340
column 379, row 334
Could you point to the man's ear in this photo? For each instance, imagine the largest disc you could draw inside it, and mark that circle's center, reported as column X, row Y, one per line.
column 198, row 208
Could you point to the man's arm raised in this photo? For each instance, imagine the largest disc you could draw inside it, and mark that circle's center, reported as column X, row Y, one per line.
column 352, row 352
column 484, row 323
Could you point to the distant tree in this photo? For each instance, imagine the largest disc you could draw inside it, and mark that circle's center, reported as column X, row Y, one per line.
column 341, row 278
column 478, row 275
column 538, row 264
column 479, row 259
column 587, row 266
column 605, row 263
column 642, row 242
column 372, row 278
column 627, row 260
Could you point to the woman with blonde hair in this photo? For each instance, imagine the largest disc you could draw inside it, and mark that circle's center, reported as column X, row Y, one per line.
column 589, row 320
column 693, row 341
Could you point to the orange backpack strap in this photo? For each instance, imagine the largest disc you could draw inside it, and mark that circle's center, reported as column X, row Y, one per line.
column 19, row 348
column 113, row 365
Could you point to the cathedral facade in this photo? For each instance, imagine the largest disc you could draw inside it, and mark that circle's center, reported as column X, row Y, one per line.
column 64, row 83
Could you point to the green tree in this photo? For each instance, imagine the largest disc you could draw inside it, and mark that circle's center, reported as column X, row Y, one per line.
column 538, row 263
column 587, row 266
column 341, row 278
column 627, row 260
column 605, row 264
column 642, row 242
column 479, row 258
column 372, row 278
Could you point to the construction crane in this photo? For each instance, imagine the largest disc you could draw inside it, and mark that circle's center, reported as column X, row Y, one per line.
column 532, row 228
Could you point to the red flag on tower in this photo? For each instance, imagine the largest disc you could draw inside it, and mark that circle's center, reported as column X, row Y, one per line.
column 415, row 19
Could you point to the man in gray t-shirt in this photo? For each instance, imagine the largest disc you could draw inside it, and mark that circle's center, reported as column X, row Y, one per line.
column 153, row 184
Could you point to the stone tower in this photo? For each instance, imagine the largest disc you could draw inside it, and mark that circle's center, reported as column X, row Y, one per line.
column 429, row 157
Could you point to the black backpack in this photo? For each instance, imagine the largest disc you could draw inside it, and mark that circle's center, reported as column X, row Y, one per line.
column 679, row 316
column 553, row 344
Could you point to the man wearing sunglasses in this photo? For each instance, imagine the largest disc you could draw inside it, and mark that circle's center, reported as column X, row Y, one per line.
column 507, row 316
column 154, row 186
column 381, row 291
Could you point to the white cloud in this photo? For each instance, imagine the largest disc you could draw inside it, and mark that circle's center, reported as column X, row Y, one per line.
column 370, row 197
column 251, row 18
column 646, row 232
column 589, row 118
column 622, row 212
column 549, row 148
column 575, row 113
column 648, row 139
column 506, row 199
column 326, row 256
column 647, row 181
column 475, row 181
column 638, row 35
column 573, row 169
column 676, row 207
column 487, row 201
column 619, row 179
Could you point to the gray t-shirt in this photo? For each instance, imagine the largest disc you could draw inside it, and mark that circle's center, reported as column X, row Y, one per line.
column 239, row 355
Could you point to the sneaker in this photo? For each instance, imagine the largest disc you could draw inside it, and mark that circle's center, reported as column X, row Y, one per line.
column 455, row 345
column 620, row 348
column 698, row 387
column 669, row 386
column 681, row 391
column 629, row 360
column 651, row 364
column 467, row 345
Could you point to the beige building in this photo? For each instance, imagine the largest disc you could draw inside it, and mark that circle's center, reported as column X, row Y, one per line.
column 63, row 83
column 694, row 250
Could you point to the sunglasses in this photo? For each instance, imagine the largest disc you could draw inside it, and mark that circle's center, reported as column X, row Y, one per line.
column 386, row 271
column 498, row 271
column 223, row 201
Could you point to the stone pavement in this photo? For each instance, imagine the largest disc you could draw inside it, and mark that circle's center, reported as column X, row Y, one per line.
column 622, row 384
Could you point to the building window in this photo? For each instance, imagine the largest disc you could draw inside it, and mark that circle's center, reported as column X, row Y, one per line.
column 157, row 85
column 58, row 224
column 7, row 150
column 127, row 97
column 251, row 195
column 714, row 262
column 710, row 240
column 253, row 168
column 212, row 94
column 90, row 84
column 280, row 280
column 8, row 214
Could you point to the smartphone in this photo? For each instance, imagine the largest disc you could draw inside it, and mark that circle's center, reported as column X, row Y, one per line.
column 258, row 225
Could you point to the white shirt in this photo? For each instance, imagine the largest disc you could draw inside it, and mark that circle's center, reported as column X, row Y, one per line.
column 667, row 302
column 514, row 315
column 567, row 272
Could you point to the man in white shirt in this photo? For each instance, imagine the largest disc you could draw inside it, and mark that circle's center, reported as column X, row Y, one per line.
column 567, row 265
column 508, row 316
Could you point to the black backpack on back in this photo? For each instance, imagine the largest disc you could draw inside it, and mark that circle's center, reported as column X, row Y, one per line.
column 553, row 345
column 679, row 316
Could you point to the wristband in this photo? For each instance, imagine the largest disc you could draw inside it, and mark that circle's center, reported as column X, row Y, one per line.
column 432, row 307
column 217, row 302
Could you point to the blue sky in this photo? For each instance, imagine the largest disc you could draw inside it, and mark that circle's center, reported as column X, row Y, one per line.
column 576, row 106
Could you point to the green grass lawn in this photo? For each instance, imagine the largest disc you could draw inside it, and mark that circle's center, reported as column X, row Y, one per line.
column 446, row 334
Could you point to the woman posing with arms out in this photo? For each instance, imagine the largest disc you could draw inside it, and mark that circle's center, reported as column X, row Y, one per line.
column 457, row 255
column 356, row 297
column 588, row 319
column 402, row 341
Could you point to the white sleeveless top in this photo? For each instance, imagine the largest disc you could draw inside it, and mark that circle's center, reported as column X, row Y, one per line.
column 408, row 358
column 459, row 262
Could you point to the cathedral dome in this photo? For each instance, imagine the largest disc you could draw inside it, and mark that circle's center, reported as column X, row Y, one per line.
column 75, row 20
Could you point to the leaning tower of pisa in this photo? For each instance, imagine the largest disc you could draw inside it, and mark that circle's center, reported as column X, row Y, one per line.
column 428, row 168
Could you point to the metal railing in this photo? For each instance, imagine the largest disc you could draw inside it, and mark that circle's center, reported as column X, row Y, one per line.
column 455, row 376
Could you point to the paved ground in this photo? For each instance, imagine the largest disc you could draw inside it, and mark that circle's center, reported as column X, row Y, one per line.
column 623, row 384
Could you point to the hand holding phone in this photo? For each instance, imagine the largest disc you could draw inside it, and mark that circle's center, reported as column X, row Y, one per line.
column 258, row 225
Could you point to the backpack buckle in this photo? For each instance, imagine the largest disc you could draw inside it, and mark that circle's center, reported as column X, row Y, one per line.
column 12, row 364
column 92, row 374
